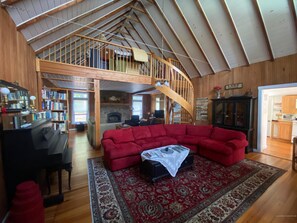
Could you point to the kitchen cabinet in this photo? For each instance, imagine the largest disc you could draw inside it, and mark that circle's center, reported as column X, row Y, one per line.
column 282, row 130
column 289, row 103
column 234, row 113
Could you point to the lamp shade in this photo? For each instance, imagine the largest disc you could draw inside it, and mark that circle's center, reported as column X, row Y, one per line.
column 5, row 90
column 32, row 98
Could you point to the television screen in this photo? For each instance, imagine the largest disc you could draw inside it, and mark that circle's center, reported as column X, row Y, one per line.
column 159, row 113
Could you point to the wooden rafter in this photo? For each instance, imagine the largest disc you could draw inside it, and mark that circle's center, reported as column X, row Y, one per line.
column 199, row 6
column 66, row 23
column 293, row 5
column 137, row 33
column 128, row 17
column 158, row 29
column 127, row 30
column 228, row 12
column 9, row 2
column 149, row 34
column 194, row 37
column 93, row 23
column 44, row 15
column 178, row 39
column 268, row 43
column 138, row 9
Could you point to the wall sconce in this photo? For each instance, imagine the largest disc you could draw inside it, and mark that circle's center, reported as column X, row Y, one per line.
column 4, row 91
column 33, row 98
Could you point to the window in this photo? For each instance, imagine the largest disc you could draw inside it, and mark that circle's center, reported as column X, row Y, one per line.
column 137, row 105
column 80, row 107
column 158, row 103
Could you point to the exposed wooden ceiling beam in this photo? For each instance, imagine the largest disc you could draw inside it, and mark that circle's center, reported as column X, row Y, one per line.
column 131, row 18
column 9, row 2
column 138, row 9
column 139, row 36
column 66, row 23
column 199, row 6
column 93, row 23
column 52, row 11
column 228, row 12
column 178, row 39
column 260, row 16
column 149, row 35
column 293, row 5
column 67, row 80
column 158, row 30
column 193, row 35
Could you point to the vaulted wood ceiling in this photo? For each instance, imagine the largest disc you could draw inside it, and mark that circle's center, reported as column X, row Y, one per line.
column 206, row 36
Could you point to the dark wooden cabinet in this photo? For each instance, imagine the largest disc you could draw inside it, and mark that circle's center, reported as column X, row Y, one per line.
column 234, row 113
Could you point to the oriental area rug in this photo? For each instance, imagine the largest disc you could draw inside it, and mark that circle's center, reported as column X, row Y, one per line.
column 209, row 192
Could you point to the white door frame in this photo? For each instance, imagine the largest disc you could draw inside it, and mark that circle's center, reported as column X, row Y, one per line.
column 261, row 142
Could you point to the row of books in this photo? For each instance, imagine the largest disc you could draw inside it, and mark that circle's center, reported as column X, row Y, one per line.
column 52, row 105
column 48, row 94
column 60, row 126
column 59, row 116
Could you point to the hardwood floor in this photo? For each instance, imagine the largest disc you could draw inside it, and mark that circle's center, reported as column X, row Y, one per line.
column 279, row 148
column 277, row 204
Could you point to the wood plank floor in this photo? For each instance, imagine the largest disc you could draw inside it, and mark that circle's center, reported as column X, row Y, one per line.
column 279, row 148
column 277, row 204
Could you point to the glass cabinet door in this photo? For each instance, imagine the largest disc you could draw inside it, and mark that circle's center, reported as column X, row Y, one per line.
column 241, row 114
column 229, row 113
column 218, row 112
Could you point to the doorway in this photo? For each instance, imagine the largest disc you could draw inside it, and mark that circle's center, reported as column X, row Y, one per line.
column 271, row 146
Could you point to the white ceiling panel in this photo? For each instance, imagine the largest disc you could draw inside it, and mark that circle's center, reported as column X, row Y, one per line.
column 250, row 30
column 198, row 25
column 155, row 34
column 170, row 38
column 71, row 28
column 224, row 32
column 182, row 32
column 280, row 26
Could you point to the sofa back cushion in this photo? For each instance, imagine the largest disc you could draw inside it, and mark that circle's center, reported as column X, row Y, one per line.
column 221, row 134
column 157, row 130
column 175, row 129
column 120, row 135
column 141, row 132
column 199, row 130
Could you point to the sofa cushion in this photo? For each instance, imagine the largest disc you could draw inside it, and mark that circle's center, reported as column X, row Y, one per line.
column 157, row 130
column 123, row 135
column 199, row 130
column 194, row 140
column 141, row 132
column 226, row 134
column 150, row 145
column 166, row 140
column 216, row 146
column 124, row 149
column 175, row 130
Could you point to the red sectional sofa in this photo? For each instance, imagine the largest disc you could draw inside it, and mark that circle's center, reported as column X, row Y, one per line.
column 122, row 147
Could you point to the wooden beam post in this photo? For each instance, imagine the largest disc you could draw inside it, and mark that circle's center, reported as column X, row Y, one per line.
column 97, row 112
column 39, row 86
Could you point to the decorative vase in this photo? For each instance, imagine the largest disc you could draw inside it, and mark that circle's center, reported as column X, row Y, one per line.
column 218, row 94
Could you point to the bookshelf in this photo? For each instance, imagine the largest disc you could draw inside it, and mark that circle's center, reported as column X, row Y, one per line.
column 56, row 101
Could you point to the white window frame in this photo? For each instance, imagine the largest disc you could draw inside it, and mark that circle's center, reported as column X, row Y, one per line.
column 137, row 100
column 80, row 99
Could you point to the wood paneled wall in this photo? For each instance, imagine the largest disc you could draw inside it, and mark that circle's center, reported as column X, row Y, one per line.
column 17, row 63
column 280, row 71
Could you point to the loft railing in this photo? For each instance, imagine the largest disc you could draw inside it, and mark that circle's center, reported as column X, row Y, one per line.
column 94, row 53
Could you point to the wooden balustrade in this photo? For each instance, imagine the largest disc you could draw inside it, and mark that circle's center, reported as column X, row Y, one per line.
column 100, row 54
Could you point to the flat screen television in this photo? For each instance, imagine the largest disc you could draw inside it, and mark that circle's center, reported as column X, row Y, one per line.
column 159, row 113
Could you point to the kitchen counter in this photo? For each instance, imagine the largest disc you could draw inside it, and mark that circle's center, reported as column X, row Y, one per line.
column 282, row 129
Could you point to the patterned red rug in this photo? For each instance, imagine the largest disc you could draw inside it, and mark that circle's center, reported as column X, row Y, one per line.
column 208, row 193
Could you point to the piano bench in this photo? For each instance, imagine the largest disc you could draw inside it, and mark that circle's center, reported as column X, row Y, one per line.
column 66, row 165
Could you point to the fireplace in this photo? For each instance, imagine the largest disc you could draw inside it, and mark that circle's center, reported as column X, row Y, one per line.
column 114, row 117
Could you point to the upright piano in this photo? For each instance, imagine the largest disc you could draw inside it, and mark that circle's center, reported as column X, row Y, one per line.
column 28, row 150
